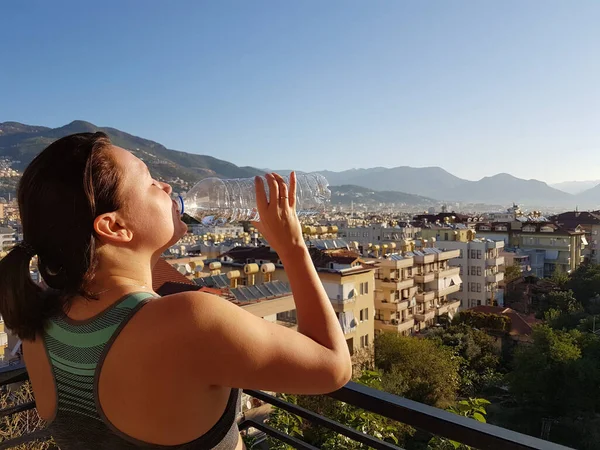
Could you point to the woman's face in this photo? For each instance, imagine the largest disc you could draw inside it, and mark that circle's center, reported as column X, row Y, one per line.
column 147, row 208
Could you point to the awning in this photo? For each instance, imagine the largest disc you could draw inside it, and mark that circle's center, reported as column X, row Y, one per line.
column 455, row 280
column 584, row 240
column 551, row 254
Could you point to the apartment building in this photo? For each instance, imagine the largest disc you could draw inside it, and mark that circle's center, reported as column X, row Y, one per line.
column 559, row 248
column 349, row 283
column 377, row 234
column 589, row 222
column 479, row 261
column 413, row 288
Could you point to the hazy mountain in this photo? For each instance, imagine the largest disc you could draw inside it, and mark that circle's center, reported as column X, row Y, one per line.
column 589, row 198
column 346, row 194
column 22, row 143
column 434, row 182
column 576, row 187
column 504, row 188
column 426, row 181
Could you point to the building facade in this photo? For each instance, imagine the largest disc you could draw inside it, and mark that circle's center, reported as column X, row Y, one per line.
column 479, row 261
column 413, row 289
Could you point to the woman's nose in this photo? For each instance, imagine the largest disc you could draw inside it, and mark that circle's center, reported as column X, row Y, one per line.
column 167, row 187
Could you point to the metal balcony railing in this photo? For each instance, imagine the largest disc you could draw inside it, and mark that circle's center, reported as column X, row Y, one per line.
column 427, row 418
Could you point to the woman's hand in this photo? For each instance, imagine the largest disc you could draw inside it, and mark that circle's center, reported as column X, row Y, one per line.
column 279, row 222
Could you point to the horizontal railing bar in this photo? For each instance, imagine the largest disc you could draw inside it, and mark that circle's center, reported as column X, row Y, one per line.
column 16, row 409
column 323, row 421
column 294, row 442
column 462, row 429
column 29, row 437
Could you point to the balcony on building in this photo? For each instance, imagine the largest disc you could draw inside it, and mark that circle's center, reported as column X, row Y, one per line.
column 396, row 283
column 396, row 325
column 492, row 277
column 449, row 272
column 390, row 303
column 494, row 261
column 448, row 290
column 425, row 296
column 425, row 315
column 448, row 306
column 425, row 278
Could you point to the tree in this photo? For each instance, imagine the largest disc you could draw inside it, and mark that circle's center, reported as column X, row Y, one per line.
column 479, row 356
column 495, row 322
column 512, row 272
column 544, row 372
column 474, row 408
column 321, row 437
column 418, row 369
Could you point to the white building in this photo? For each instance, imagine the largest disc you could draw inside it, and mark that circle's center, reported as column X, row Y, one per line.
column 481, row 271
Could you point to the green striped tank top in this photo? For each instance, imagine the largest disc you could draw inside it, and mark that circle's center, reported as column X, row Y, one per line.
column 76, row 350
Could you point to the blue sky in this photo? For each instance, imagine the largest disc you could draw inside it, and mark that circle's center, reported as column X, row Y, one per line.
column 476, row 87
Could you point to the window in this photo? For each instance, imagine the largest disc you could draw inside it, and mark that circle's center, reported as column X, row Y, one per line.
column 366, row 287
column 366, row 313
column 378, row 315
column 361, row 315
column 478, row 287
column 478, row 254
column 473, row 254
column 409, row 270
column 362, row 288
column 397, row 294
column 364, row 341
column 473, row 287
column 479, row 271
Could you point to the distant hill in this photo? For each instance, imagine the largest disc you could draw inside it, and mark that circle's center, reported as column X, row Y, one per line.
column 22, row 143
column 435, row 182
column 346, row 194
column 427, row 181
column 590, row 198
column 576, row 187
column 505, row 188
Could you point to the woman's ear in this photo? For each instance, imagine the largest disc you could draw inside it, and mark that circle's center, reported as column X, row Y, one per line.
column 109, row 228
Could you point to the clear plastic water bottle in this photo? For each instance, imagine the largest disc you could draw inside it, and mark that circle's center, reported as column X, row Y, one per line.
column 216, row 201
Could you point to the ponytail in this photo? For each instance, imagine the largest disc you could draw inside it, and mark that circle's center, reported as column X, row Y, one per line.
column 24, row 305
column 61, row 191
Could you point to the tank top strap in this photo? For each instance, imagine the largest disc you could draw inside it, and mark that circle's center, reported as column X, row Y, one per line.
column 76, row 350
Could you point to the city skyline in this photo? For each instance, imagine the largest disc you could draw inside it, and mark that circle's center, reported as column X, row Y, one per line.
column 475, row 89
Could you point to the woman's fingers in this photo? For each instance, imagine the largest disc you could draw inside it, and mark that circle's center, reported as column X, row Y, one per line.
column 292, row 192
column 261, row 196
column 283, row 190
column 273, row 189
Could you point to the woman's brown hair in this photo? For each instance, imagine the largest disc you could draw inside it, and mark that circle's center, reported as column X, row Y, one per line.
column 60, row 194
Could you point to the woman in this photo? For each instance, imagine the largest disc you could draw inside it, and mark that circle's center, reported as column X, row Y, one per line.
column 114, row 366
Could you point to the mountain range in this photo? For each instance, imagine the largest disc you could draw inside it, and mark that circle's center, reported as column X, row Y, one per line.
column 404, row 184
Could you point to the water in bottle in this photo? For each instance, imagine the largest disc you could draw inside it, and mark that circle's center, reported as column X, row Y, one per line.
column 215, row 201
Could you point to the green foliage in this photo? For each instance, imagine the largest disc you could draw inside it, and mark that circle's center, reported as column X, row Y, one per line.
column 474, row 408
column 560, row 277
column 359, row 419
column 585, row 284
column 496, row 322
column 479, row 356
column 512, row 272
column 419, row 369
column 559, row 372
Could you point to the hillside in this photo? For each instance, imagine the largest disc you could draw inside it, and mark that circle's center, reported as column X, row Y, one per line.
column 434, row 182
column 21, row 143
column 426, row 181
column 346, row 194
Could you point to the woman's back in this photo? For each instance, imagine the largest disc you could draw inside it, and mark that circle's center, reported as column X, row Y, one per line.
column 104, row 367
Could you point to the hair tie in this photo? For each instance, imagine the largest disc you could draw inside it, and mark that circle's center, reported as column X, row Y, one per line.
column 28, row 249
